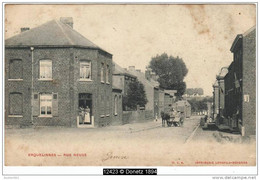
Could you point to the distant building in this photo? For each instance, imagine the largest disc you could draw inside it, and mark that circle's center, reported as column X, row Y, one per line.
column 151, row 87
column 161, row 102
column 215, row 99
column 184, row 107
column 122, row 78
column 117, row 99
column 167, row 102
column 52, row 73
column 172, row 93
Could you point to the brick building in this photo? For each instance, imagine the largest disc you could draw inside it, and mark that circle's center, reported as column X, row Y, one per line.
column 237, row 87
column 215, row 99
column 219, row 97
column 52, row 71
column 117, row 99
column 240, row 84
column 151, row 87
column 122, row 78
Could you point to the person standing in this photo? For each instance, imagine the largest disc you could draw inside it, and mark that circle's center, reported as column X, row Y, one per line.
column 87, row 115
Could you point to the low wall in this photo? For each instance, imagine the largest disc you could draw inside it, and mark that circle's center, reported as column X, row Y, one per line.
column 137, row 116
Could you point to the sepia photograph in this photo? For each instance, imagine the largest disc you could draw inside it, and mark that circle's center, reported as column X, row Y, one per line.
column 150, row 85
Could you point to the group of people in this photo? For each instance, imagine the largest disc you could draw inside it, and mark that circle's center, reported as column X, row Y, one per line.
column 84, row 114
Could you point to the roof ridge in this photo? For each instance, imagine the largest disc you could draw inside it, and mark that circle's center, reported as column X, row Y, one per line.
column 78, row 33
column 70, row 40
column 249, row 30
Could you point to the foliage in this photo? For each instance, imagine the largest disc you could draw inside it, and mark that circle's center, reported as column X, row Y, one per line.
column 135, row 96
column 198, row 105
column 171, row 71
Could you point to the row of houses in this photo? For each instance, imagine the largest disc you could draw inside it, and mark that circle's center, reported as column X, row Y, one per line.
column 53, row 74
column 158, row 99
column 234, row 92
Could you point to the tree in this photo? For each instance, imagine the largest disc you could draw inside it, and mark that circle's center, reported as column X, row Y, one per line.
column 135, row 96
column 171, row 72
column 199, row 105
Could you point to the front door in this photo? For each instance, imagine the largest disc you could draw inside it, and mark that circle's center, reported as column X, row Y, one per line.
column 85, row 108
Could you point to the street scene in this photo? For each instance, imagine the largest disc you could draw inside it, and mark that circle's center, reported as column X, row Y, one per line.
column 188, row 145
column 167, row 85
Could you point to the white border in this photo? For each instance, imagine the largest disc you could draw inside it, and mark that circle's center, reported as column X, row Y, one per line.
column 98, row 170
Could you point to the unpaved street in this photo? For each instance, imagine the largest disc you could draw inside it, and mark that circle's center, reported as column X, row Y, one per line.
column 143, row 144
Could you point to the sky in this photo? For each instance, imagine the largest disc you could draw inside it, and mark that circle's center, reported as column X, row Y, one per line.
column 201, row 35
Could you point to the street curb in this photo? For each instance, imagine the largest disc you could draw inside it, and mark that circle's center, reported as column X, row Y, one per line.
column 192, row 134
column 143, row 129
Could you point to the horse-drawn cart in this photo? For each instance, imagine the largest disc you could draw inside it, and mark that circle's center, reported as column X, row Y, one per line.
column 172, row 119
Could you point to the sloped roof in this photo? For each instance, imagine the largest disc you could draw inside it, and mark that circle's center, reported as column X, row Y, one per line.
column 119, row 70
column 52, row 33
column 240, row 36
column 249, row 31
column 141, row 77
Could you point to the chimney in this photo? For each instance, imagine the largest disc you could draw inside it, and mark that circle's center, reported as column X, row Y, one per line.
column 23, row 29
column 153, row 76
column 67, row 20
column 148, row 75
column 131, row 68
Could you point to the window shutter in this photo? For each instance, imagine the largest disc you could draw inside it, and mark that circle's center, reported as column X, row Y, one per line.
column 55, row 104
column 36, row 104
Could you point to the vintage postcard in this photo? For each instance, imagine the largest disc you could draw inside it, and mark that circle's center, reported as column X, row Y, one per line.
column 154, row 85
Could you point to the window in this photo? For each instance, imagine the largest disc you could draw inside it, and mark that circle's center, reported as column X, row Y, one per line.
column 85, row 70
column 15, row 104
column 115, row 104
column 108, row 106
column 46, row 104
column 102, row 72
column 246, row 98
column 102, row 105
column 15, row 69
column 107, row 74
column 46, row 69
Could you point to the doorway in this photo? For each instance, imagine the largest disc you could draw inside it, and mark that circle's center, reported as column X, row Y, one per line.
column 85, row 108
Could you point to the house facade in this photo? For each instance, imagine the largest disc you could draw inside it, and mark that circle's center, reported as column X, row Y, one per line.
column 151, row 88
column 241, row 84
column 117, row 98
column 121, row 78
column 235, row 98
column 53, row 75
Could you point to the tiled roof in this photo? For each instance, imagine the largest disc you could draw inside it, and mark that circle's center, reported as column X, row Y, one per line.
column 119, row 70
column 141, row 77
column 52, row 33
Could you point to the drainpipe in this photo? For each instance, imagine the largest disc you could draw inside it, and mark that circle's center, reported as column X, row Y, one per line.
column 32, row 50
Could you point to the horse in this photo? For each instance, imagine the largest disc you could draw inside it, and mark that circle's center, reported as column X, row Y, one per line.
column 165, row 117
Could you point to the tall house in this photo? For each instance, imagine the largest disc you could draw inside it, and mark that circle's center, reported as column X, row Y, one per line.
column 51, row 73
column 240, row 84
